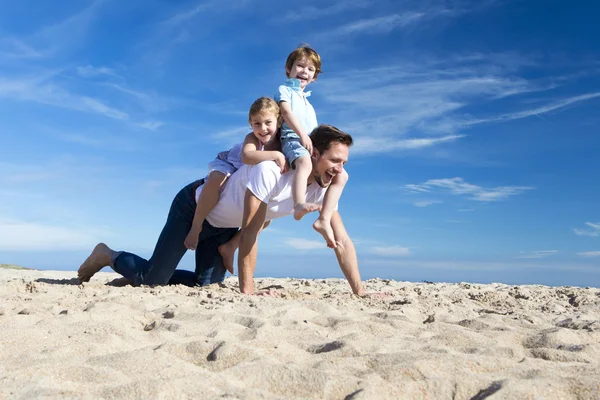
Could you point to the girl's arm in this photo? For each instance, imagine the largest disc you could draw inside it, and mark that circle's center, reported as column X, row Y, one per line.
column 251, row 155
column 290, row 119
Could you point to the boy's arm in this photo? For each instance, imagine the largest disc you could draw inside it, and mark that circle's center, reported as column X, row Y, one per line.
column 290, row 119
column 346, row 255
column 255, row 212
column 251, row 155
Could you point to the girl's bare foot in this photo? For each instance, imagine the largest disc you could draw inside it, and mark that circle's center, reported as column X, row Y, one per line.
column 324, row 228
column 99, row 259
column 301, row 209
column 227, row 251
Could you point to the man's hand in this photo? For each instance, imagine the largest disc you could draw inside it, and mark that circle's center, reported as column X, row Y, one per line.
column 268, row 293
column 374, row 295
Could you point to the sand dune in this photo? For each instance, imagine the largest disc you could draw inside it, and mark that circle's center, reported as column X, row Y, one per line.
column 422, row 341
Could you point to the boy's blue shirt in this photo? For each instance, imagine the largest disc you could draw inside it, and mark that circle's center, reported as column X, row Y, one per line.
column 291, row 92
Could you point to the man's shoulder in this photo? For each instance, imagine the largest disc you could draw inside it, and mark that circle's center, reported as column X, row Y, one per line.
column 265, row 170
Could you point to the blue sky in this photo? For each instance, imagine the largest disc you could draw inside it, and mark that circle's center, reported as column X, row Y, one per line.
column 476, row 129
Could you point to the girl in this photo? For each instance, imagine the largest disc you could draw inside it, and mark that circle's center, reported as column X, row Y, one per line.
column 260, row 145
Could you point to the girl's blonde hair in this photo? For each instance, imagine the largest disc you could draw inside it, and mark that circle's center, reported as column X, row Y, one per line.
column 264, row 105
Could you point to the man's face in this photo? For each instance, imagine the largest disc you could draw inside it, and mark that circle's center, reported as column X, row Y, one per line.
column 327, row 165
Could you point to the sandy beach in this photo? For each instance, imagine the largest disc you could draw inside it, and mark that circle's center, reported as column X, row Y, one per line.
column 60, row 339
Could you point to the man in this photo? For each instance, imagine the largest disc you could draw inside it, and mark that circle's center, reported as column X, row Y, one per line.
column 252, row 197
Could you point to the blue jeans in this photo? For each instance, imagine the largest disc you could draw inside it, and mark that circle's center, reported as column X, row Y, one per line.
column 160, row 269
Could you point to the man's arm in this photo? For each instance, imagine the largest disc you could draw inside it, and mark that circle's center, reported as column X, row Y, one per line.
column 346, row 254
column 255, row 212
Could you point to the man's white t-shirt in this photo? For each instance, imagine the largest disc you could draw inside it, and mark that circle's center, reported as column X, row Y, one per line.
column 267, row 183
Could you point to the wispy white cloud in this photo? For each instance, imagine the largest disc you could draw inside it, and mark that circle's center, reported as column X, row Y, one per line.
column 38, row 91
column 304, row 244
column 593, row 232
column 390, row 251
column 311, row 13
column 33, row 237
column 13, row 173
column 556, row 105
column 412, row 15
column 371, row 145
column 537, row 254
column 101, row 108
column 89, row 71
column 378, row 25
column 13, row 48
column 151, row 125
column 426, row 203
column 67, row 33
column 589, row 254
column 231, row 136
column 458, row 186
column 419, row 104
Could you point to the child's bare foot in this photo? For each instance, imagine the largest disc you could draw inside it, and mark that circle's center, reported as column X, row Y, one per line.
column 99, row 259
column 302, row 209
column 227, row 251
column 324, row 228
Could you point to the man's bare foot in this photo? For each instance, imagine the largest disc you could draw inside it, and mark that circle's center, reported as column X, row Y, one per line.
column 120, row 282
column 302, row 209
column 227, row 251
column 99, row 259
column 324, row 228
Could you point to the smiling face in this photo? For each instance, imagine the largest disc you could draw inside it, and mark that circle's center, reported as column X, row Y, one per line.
column 302, row 69
column 264, row 126
column 327, row 165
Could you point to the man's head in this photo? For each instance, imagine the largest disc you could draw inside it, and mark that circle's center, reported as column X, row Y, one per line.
column 330, row 152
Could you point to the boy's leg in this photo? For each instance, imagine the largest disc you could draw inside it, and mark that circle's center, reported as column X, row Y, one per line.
column 303, row 166
column 332, row 197
column 209, row 197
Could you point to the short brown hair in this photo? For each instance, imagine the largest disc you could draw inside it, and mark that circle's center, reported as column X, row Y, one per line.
column 263, row 105
column 304, row 51
column 323, row 136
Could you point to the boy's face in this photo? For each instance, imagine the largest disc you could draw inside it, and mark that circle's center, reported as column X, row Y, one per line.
column 303, row 70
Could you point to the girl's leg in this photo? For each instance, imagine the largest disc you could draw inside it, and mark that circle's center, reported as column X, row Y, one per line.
column 303, row 166
column 209, row 196
column 332, row 196
column 227, row 252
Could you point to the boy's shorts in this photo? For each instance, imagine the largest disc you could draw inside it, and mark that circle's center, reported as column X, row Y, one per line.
column 292, row 149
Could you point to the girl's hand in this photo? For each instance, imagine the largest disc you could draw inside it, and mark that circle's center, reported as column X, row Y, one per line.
column 191, row 240
column 280, row 160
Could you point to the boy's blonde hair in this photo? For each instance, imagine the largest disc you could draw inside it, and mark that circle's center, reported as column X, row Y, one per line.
column 304, row 51
column 264, row 105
